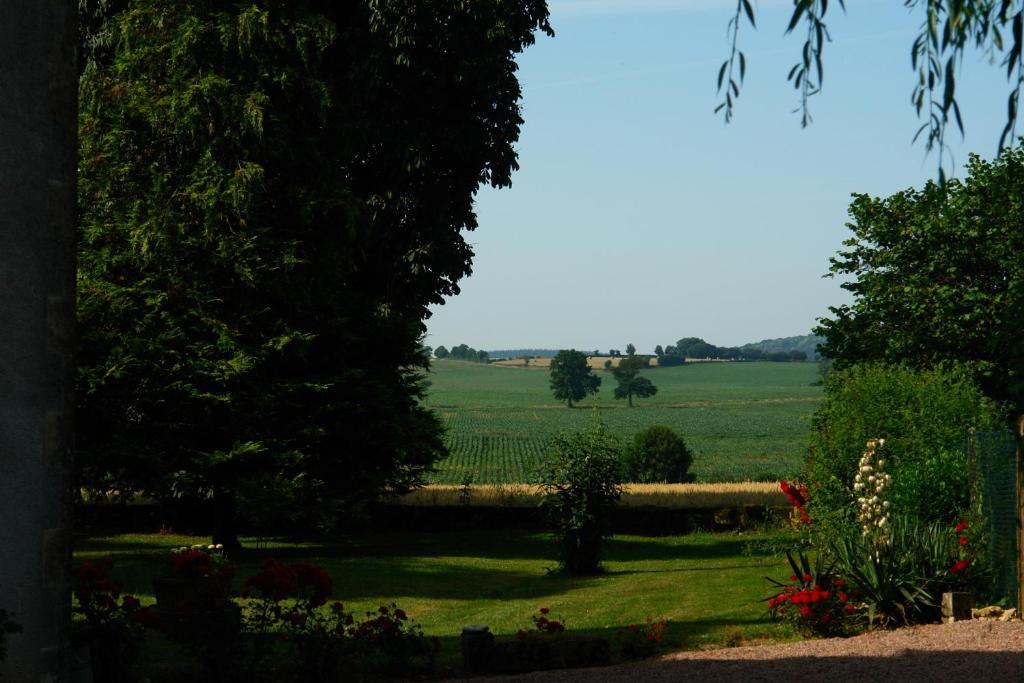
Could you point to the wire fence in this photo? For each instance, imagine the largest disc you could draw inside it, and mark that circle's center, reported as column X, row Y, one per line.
column 993, row 456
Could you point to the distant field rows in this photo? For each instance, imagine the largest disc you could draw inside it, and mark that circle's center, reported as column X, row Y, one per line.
column 744, row 421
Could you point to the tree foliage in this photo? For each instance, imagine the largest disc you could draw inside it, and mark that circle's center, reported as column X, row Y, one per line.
column 571, row 377
column 265, row 220
column 948, row 29
column 630, row 382
column 657, row 454
column 937, row 276
column 923, row 415
column 467, row 353
column 582, row 482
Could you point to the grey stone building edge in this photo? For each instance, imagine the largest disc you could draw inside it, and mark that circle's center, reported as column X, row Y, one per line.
column 38, row 112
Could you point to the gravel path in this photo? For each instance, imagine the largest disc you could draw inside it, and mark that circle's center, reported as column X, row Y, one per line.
column 979, row 650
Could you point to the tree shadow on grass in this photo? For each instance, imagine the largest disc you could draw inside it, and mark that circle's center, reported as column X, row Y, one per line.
column 514, row 545
column 385, row 577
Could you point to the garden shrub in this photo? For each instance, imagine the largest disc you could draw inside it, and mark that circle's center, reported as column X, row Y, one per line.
column 923, row 415
column 296, row 635
column 641, row 640
column 815, row 599
column 113, row 623
column 582, row 482
column 657, row 454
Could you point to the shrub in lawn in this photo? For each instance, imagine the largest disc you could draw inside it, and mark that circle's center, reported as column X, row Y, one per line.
column 657, row 454
column 582, row 482
column 7, row 627
column 923, row 415
column 641, row 640
column 815, row 600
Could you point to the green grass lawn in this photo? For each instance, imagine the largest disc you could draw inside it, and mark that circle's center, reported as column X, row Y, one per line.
column 745, row 421
column 701, row 583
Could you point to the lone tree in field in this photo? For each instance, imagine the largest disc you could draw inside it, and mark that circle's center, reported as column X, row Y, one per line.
column 630, row 382
column 571, row 378
column 630, row 350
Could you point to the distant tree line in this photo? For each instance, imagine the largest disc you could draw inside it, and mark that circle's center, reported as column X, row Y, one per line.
column 522, row 353
column 462, row 352
column 695, row 347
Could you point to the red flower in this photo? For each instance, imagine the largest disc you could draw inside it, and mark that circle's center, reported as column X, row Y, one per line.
column 807, row 578
column 544, row 610
column 963, row 540
column 843, row 597
column 962, row 525
column 959, row 566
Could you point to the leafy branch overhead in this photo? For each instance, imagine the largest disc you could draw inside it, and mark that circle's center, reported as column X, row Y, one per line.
column 948, row 27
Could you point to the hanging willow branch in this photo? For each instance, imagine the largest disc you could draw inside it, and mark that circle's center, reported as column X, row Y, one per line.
column 948, row 28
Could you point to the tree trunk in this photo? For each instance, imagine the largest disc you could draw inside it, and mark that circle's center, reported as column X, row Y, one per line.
column 38, row 122
column 225, row 521
column 629, row 397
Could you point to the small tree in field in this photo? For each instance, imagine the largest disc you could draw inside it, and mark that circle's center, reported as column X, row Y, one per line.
column 630, row 350
column 582, row 482
column 657, row 454
column 630, row 382
column 571, row 378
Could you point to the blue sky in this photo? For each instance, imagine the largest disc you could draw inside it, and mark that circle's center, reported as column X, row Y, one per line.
column 638, row 216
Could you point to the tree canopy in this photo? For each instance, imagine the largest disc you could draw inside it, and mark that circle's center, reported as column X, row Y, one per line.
column 630, row 383
column 265, row 220
column 937, row 277
column 571, row 377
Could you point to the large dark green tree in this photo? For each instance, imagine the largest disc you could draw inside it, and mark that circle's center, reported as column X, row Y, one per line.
column 937, row 276
column 272, row 193
column 571, row 378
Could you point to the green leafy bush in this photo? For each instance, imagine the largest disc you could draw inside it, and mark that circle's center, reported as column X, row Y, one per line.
column 923, row 415
column 657, row 454
column 581, row 481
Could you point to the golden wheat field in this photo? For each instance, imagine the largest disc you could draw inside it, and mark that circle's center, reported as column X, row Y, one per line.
column 669, row 496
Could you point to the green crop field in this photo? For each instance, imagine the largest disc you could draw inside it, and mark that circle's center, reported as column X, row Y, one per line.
column 744, row 421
